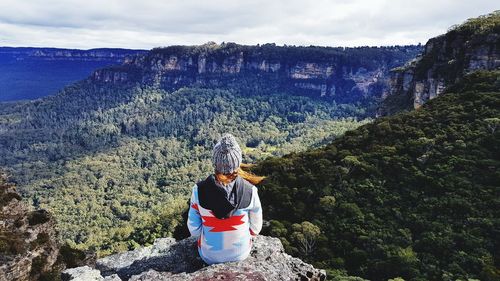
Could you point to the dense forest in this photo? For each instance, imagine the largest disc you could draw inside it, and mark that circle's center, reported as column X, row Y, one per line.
column 415, row 195
column 115, row 164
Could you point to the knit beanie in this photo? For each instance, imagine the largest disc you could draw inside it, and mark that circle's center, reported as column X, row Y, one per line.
column 226, row 156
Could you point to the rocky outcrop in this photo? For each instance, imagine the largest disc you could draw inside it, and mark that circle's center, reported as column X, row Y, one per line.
column 446, row 59
column 170, row 260
column 344, row 74
column 28, row 246
column 29, row 249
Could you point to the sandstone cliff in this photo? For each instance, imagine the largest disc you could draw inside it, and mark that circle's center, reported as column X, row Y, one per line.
column 170, row 260
column 344, row 74
column 474, row 45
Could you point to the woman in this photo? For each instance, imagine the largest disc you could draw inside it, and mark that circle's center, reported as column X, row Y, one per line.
column 225, row 208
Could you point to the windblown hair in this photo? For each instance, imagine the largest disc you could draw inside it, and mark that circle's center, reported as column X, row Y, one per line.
column 227, row 178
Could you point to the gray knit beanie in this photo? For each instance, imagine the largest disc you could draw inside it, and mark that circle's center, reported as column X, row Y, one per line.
column 226, row 156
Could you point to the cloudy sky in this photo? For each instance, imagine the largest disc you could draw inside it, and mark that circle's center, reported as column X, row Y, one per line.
column 151, row 23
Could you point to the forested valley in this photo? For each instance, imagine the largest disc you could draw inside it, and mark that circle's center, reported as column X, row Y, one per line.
column 115, row 164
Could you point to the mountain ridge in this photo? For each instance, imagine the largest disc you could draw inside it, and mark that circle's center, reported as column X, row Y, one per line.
column 28, row 73
column 342, row 74
column 117, row 54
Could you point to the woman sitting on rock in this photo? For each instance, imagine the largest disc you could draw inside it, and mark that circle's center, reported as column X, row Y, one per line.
column 225, row 209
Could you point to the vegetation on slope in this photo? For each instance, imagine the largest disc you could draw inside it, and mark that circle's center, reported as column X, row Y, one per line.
column 480, row 25
column 414, row 195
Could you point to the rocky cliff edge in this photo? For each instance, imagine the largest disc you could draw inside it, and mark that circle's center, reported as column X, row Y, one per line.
column 167, row 259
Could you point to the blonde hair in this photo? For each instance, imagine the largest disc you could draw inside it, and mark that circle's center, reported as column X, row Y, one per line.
column 227, row 178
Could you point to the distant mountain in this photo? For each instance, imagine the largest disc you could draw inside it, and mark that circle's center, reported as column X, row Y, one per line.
column 345, row 75
column 465, row 48
column 31, row 73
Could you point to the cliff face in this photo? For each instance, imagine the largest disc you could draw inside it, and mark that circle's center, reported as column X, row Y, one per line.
column 475, row 45
column 342, row 74
column 168, row 260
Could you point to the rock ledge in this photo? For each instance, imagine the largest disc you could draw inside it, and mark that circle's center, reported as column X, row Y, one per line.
column 170, row 260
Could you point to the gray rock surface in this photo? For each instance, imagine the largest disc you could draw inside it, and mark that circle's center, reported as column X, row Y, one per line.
column 113, row 277
column 128, row 263
column 83, row 273
column 167, row 260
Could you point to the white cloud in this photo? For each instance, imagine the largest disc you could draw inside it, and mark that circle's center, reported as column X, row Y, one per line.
column 150, row 23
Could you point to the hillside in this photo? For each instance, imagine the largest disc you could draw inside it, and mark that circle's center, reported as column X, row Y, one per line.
column 31, row 73
column 465, row 48
column 413, row 195
column 141, row 150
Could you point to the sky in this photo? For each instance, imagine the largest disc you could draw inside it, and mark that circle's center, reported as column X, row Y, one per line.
column 145, row 24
